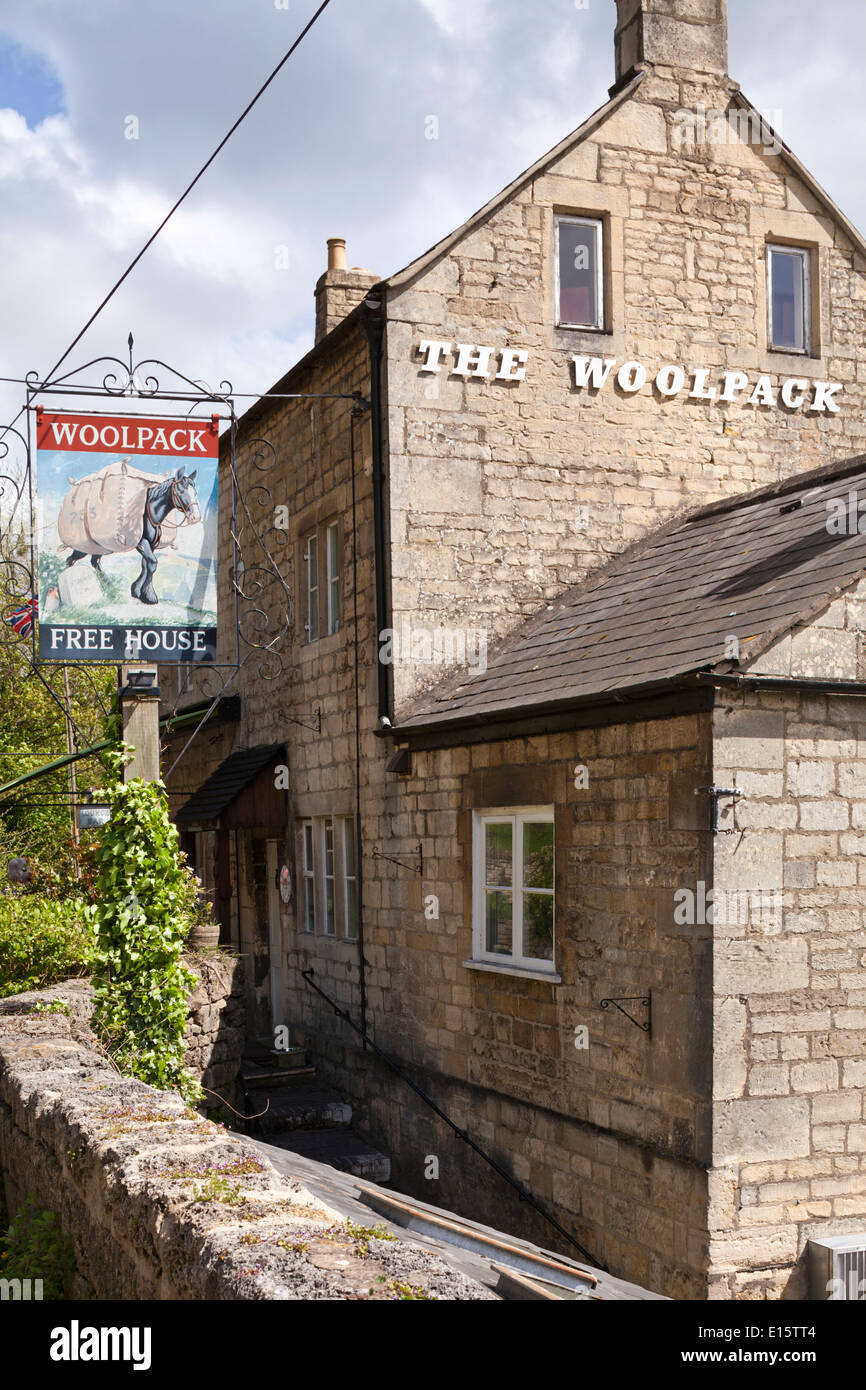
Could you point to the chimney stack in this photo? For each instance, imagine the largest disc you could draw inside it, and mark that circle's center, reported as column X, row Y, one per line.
column 691, row 35
column 339, row 290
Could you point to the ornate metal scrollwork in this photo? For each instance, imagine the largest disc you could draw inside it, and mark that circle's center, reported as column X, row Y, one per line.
column 261, row 590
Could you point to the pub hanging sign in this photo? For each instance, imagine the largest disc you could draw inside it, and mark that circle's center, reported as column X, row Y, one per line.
column 127, row 525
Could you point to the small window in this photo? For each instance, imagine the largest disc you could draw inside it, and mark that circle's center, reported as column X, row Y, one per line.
column 312, row 561
column 332, row 554
column 788, row 296
column 309, row 877
column 350, row 882
column 513, row 866
column 579, row 273
column 329, row 877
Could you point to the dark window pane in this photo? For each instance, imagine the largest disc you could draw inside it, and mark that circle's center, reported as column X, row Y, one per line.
column 578, row 274
column 538, row 854
column 538, row 926
column 498, row 855
column 498, row 921
column 788, row 274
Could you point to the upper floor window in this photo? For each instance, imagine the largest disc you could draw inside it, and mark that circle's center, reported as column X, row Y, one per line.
column 513, row 887
column 321, row 570
column 311, row 559
column 579, row 273
column 788, row 298
column 332, row 553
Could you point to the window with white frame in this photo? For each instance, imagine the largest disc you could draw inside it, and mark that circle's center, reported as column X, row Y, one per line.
column 308, row 877
column 332, row 559
column 579, row 273
column 350, row 881
column 788, row 295
column 329, row 924
column 513, row 897
column 311, row 560
column 329, row 877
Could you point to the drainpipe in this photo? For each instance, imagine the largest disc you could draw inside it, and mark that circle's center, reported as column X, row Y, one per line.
column 374, row 326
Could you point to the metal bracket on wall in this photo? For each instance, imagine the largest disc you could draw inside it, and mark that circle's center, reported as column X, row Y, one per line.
column 645, row 999
column 415, row 869
column 315, row 724
column 715, row 793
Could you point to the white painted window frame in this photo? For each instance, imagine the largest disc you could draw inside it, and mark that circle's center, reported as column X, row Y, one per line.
column 805, row 258
column 308, row 876
column 516, row 816
column 329, row 928
column 311, row 561
column 347, row 838
column 596, row 222
column 332, row 570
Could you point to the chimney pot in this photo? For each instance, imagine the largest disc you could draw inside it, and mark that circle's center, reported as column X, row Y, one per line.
column 336, row 253
column 339, row 290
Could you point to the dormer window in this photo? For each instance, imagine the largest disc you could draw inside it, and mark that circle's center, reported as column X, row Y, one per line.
column 579, row 273
column 788, row 298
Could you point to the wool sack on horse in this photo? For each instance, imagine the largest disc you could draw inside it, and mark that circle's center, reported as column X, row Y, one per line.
column 120, row 509
column 101, row 513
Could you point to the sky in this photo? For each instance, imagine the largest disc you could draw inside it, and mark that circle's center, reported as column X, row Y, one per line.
column 338, row 146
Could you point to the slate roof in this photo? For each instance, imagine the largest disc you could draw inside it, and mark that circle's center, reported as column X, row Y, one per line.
column 227, row 783
column 753, row 566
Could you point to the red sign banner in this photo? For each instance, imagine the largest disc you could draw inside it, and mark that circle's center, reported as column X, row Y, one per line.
column 104, row 434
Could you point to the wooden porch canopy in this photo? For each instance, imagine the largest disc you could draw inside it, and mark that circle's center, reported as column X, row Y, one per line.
column 241, row 794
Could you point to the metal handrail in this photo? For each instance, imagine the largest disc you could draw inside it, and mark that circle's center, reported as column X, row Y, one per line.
column 461, row 1133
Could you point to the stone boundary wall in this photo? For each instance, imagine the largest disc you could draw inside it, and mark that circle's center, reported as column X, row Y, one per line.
column 215, row 1030
column 140, row 1181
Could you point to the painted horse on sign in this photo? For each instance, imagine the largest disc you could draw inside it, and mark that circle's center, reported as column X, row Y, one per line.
column 120, row 509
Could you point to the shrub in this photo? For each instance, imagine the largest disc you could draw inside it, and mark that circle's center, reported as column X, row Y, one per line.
column 145, row 901
column 35, row 1247
column 42, row 941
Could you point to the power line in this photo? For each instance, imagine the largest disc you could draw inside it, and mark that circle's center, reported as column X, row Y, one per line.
column 204, row 168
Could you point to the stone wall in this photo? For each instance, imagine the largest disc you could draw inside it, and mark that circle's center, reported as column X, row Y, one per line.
column 504, row 493
column 309, row 472
column 614, row 1139
column 215, row 1030
column 790, row 978
column 160, row 1203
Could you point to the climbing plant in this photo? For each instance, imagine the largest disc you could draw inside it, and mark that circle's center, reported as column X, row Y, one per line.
column 145, row 902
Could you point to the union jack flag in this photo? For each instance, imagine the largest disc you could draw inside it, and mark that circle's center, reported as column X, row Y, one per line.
column 21, row 619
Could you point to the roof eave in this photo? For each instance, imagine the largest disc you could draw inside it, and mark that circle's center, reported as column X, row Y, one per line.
column 814, row 187
column 599, row 699
column 404, row 277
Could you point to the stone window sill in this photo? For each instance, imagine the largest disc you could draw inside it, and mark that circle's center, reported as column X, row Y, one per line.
column 546, row 976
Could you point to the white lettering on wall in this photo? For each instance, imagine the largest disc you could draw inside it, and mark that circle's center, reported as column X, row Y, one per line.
column 483, row 362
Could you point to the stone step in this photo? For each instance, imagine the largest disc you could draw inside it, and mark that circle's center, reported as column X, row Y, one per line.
column 341, row 1148
column 298, row 1107
column 290, row 1067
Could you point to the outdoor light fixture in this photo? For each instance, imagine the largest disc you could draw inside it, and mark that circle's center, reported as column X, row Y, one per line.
column 141, row 685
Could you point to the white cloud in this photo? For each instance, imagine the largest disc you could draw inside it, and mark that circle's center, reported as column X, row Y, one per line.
column 336, row 147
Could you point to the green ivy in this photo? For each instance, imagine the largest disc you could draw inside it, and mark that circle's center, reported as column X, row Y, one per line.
column 145, row 901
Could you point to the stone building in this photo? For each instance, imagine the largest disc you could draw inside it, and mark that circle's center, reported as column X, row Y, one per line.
column 570, row 538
